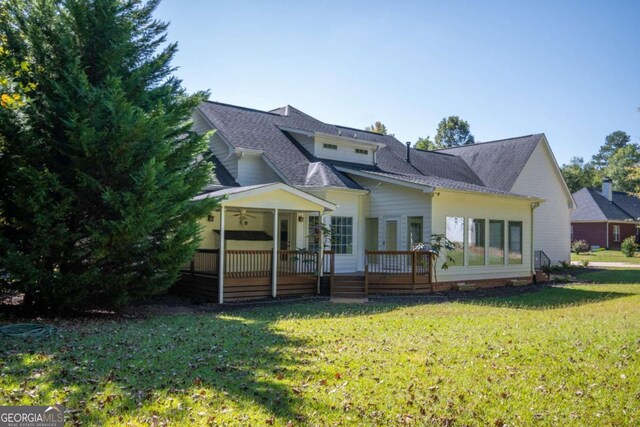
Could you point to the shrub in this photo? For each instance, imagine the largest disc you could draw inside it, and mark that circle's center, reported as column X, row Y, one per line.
column 629, row 246
column 585, row 263
column 579, row 246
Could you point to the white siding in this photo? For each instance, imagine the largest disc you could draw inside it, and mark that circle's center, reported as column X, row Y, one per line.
column 349, row 204
column 346, row 150
column 216, row 144
column 253, row 170
column 393, row 202
column 306, row 142
column 552, row 225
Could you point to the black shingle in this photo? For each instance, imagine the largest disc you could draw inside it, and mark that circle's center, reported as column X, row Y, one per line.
column 471, row 168
column 592, row 205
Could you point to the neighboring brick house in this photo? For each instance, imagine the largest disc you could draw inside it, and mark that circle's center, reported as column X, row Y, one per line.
column 605, row 217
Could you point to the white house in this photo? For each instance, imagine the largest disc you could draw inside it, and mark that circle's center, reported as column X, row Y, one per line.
column 282, row 171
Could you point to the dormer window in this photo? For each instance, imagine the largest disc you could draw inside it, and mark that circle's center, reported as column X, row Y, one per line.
column 330, row 146
column 361, row 151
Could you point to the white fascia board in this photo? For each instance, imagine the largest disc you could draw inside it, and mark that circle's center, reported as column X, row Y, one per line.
column 425, row 188
column 328, row 206
column 248, row 151
column 294, row 130
column 531, row 199
column 336, row 189
column 572, row 202
column 350, row 140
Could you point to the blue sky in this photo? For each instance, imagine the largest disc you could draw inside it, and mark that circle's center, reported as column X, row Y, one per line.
column 570, row 69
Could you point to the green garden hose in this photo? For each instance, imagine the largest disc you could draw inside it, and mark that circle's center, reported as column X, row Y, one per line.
column 27, row 330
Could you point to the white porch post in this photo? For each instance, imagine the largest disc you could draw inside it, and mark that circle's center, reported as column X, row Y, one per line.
column 320, row 252
column 274, row 268
column 221, row 260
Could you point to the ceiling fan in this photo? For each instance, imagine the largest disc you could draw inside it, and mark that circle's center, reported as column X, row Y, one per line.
column 243, row 216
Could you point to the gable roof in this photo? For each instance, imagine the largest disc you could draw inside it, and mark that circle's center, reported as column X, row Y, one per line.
column 592, row 205
column 271, row 133
column 497, row 163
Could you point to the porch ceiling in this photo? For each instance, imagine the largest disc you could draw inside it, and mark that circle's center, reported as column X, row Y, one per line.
column 270, row 196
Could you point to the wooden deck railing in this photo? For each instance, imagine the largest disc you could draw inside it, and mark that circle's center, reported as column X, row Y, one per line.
column 245, row 263
column 205, row 261
column 297, row 262
column 329, row 267
column 414, row 266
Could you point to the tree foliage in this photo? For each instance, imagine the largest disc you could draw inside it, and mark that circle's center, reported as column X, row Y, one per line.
column 453, row 131
column 427, row 144
column 619, row 168
column 612, row 143
column 99, row 166
column 377, row 127
column 578, row 174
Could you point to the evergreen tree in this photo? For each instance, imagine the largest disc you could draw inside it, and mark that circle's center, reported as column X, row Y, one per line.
column 612, row 143
column 99, row 165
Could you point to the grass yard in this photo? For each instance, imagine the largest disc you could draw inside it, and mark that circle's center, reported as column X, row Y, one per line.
column 563, row 356
column 606, row 256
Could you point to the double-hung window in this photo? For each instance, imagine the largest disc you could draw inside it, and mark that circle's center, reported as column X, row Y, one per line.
column 342, row 234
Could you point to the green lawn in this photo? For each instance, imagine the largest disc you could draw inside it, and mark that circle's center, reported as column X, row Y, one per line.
column 606, row 256
column 563, row 356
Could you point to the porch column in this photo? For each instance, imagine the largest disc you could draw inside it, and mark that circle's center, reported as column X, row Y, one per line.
column 274, row 267
column 221, row 260
column 320, row 253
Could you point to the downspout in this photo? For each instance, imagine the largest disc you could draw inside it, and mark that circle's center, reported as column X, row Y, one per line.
column 534, row 205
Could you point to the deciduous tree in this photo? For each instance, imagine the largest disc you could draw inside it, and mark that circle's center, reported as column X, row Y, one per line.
column 377, row 127
column 453, row 131
column 578, row 174
column 427, row 144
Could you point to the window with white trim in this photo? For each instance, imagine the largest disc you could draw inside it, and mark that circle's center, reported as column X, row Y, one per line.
column 515, row 242
column 361, row 151
column 496, row 242
column 314, row 233
column 476, row 241
column 330, row 146
column 616, row 233
column 342, row 234
column 454, row 231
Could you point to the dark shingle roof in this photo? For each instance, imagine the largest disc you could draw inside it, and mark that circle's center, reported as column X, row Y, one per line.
column 222, row 177
column 497, row 163
column 592, row 205
column 267, row 131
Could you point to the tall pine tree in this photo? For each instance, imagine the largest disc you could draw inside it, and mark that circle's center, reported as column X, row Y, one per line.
column 98, row 166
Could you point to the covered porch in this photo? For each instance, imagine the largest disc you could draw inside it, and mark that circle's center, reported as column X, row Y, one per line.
column 257, row 245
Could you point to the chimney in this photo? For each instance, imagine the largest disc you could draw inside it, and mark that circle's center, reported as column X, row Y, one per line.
column 607, row 188
column 408, row 152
